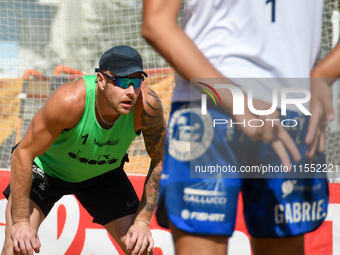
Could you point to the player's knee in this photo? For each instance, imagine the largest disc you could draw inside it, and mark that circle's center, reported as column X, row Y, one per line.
column 7, row 248
column 122, row 243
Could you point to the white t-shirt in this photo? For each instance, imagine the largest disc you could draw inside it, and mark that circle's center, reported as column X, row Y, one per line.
column 254, row 39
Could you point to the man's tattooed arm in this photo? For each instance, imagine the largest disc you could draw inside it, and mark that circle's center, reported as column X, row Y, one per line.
column 154, row 131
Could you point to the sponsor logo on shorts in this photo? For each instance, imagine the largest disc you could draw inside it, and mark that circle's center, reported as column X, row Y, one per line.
column 287, row 187
column 37, row 192
column 37, row 170
column 210, row 192
column 128, row 204
column 190, row 133
column 202, row 216
column 42, row 186
column 291, row 186
column 300, row 212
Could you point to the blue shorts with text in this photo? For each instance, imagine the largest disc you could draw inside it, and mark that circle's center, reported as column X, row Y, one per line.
column 198, row 197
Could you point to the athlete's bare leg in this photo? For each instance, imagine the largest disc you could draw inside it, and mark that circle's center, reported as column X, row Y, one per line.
column 36, row 219
column 189, row 244
column 119, row 228
column 278, row 246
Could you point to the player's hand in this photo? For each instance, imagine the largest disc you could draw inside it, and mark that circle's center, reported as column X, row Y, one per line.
column 321, row 110
column 271, row 131
column 139, row 238
column 25, row 239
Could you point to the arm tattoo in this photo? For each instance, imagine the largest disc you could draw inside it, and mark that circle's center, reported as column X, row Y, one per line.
column 153, row 126
column 150, row 194
column 154, row 129
column 152, row 106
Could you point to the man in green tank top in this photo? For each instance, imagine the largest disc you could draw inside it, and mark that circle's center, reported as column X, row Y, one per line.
column 77, row 144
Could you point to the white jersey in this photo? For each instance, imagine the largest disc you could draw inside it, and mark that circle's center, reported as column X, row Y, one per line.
column 254, row 39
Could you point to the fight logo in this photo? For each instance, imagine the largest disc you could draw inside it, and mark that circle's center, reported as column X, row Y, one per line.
column 190, row 133
column 202, row 216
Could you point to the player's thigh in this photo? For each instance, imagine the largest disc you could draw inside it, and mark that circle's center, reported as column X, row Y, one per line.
column 118, row 228
column 190, row 244
column 278, row 246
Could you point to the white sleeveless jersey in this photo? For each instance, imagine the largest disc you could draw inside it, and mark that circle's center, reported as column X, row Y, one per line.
column 254, row 39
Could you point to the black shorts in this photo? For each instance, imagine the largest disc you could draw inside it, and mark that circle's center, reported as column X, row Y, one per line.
column 106, row 197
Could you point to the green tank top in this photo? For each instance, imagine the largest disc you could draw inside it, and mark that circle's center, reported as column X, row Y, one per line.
column 88, row 150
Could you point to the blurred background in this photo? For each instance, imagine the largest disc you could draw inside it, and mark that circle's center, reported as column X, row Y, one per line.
column 44, row 43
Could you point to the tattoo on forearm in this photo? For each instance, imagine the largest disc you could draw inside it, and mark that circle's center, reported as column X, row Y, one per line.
column 154, row 129
column 150, row 194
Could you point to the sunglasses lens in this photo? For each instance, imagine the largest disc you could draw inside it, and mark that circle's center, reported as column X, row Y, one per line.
column 126, row 82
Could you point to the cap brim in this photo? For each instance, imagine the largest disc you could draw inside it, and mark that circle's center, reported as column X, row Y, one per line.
column 126, row 72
